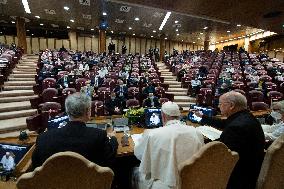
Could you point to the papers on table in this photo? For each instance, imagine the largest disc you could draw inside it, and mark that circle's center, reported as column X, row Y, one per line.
column 209, row 132
column 136, row 138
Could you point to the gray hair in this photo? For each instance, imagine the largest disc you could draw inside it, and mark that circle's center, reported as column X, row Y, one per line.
column 77, row 105
column 280, row 104
column 238, row 99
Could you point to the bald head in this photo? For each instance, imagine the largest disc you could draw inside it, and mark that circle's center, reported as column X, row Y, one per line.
column 232, row 102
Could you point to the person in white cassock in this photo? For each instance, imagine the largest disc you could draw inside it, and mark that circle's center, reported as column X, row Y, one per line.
column 161, row 150
column 8, row 162
column 154, row 119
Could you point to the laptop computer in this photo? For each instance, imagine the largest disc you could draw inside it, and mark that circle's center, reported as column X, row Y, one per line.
column 120, row 124
column 193, row 118
column 153, row 118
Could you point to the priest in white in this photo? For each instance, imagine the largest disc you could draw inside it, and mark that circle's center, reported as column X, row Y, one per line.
column 161, row 150
column 8, row 162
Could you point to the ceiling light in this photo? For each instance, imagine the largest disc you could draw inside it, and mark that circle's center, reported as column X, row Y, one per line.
column 193, row 42
column 166, row 38
column 228, row 31
column 41, row 24
column 205, row 27
column 37, row 16
column 231, row 39
column 13, row 22
column 133, row 34
column 239, row 37
column 243, row 36
column 32, row 34
column 201, row 33
column 217, row 42
column 104, row 13
column 26, row 6
column 226, row 40
column 182, row 40
column 72, row 20
column 152, row 36
column 111, row 31
column 137, row 19
column 222, row 41
column 154, row 31
column 165, row 20
column 66, row 8
column 92, row 29
column 221, row 37
column 177, row 34
column 68, row 27
column 198, row 38
column 28, row 30
column 176, row 29
column 239, row 25
column 130, row 28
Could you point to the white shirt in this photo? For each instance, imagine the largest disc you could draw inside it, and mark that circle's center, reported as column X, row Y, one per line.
column 274, row 131
column 161, row 150
column 8, row 163
column 195, row 83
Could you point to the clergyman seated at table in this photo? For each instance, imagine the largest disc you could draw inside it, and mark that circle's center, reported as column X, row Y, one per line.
column 151, row 101
column 94, row 144
column 274, row 131
column 161, row 150
column 243, row 134
column 114, row 105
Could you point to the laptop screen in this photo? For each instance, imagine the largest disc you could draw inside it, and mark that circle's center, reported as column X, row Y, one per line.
column 153, row 118
column 57, row 122
column 193, row 118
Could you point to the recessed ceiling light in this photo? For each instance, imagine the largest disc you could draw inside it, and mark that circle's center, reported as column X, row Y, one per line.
column 130, row 28
column 239, row 25
column 37, row 16
column 72, row 20
column 32, row 34
column 137, row 19
column 217, row 42
column 205, row 27
column 28, row 30
column 26, row 6
column 68, row 27
column 165, row 20
column 177, row 34
column 13, row 22
column 228, row 31
column 111, row 31
column 166, row 38
column 243, row 36
column 93, row 36
column 154, row 31
column 226, row 40
column 201, row 33
column 133, row 34
column 231, row 39
column 182, row 40
column 152, row 36
column 222, row 41
column 176, row 29
column 41, row 24
column 92, row 29
column 193, row 42
column 104, row 13
column 176, row 22
column 66, row 8
column 198, row 38
column 239, row 37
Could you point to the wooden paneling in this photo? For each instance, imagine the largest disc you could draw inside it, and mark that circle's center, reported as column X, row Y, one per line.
column 9, row 39
column 158, row 44
column 29, row 48
column 50, row 43
column 115, row 42
column 132, row 41
column 148, row 45
column 138, row 45
column 35, row 45
column 58, row 43
column 66, row 43
column 127, row 44
column 16, row 40
column 143, row 43
column 42, row 44
column 88, row 43
column 2, row 39
column 81, row 44
column 95, row 44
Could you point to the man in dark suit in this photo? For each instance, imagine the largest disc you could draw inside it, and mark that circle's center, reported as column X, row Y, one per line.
column 243, row 134
column 94, row 144
column 151, row 101
column 121, row 90
column 114, row 106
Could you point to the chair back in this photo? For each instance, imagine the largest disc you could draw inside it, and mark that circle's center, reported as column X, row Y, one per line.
column 132, row 103
column 209, row 168
column 272, row 170
column 49, row 95
column 48, row 83
column 256, row 106
column 67, row 170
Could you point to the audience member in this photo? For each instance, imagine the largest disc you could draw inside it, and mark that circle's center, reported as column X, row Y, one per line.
column 94, row 144
column 161, row 150
column 114, row 105
column 121, row 90
column 151, row 101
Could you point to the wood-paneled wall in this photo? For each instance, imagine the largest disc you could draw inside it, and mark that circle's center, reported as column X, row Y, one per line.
column 85, row 43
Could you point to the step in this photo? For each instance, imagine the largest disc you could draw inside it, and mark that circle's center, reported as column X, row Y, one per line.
column 25, row 67
column 33, row 70
column 184, row 99
column 21, row 79
column 167, row 74
column 171, row 89
column 15, row 106
column 168, row 77
column 184, row 104
column 180, row 93
column 16, row 98
column 23, row 75
column 172, row 82
column 10, row 88
column 24, row 72
column 20, row 113
column 174, row 85
column 21, row 83
column 16, row 93
column 16, row 133
column 14, row 124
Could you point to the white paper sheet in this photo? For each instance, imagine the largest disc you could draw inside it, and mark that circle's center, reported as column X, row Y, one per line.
column 209, row 132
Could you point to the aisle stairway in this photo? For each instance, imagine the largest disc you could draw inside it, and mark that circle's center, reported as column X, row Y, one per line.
column 14, row 99
column 180, row 94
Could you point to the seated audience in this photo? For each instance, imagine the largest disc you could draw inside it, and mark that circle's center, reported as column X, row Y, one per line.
column 151, row 101
column 274, row 131
column 195, row 85
column 241, row 133
column 161, row 150
column 121, row 90
column 114, row 105
column 94, row 144
column 149, row 88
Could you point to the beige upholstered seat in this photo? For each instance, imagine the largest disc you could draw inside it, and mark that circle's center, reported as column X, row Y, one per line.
column 210, row 168
column 67, row 170
column 272, row 171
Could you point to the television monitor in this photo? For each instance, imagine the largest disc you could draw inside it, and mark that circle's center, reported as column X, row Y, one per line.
column 153, row 118
column 193, row 118
column 10, row 156
column 57, row 122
